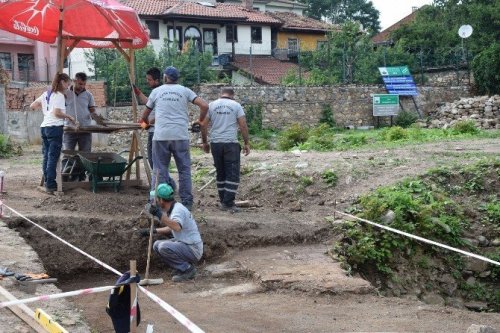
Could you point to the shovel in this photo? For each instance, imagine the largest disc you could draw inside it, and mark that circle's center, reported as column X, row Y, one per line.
column 147, row 281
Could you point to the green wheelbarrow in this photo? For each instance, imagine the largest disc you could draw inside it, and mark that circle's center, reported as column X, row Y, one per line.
column 105, row 168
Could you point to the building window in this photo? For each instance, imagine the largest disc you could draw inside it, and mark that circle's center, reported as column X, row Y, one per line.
column 293, row 45
column 173, row 38
column 321, row 44
column 256, row 35
column 192, row 33
column 231, row 33
column 25, row 65
column 6, row 60
column 154, row 29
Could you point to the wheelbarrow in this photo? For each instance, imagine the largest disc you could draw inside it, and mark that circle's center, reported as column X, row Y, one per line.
column 105, row 168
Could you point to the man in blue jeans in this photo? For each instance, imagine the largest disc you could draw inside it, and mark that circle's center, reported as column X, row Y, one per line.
column 185, row 249
column 171, row 136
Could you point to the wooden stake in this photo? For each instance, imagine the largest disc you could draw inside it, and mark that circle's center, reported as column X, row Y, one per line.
column 150, row 244
column 133, row 298
column 22, row 311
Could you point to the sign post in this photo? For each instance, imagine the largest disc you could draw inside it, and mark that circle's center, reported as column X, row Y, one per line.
column 385, row 105
column 399, row 81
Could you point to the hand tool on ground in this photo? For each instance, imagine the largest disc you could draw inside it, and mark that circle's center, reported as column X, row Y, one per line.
column 147, row 281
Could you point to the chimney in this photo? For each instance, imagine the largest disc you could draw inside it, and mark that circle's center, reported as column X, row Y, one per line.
column 248, row 4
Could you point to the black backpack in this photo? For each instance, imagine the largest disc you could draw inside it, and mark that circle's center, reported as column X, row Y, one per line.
column 119, row 304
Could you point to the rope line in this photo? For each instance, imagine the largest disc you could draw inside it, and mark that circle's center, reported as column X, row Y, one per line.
column 170, row 309
column 425, row 240
column 87, row 291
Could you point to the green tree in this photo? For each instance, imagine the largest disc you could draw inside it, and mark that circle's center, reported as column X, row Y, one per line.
column 341, row 11
column 436, row 27
column 109, row 65
column 193, row 65
column 349, row 57
column 434, row 34
column 486, row 68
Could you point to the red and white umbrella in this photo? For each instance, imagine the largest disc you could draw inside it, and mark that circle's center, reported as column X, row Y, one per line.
column 78, row 23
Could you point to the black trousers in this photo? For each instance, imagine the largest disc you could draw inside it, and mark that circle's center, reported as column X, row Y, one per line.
column 227, row 164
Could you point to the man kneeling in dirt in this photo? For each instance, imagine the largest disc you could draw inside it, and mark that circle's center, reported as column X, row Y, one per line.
column 186, row 247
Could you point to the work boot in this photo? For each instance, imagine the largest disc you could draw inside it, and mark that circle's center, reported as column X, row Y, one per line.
column 232, row 209
column 187, row 275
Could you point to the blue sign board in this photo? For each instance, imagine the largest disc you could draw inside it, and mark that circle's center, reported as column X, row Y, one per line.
column 399, row 81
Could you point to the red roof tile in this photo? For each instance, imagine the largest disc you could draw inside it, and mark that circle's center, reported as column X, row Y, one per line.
column 384, row 35
column 292, row 21
column 194, row 9
column 265, row 69
column 150, row 7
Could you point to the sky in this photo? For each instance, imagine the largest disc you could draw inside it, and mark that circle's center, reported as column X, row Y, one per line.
column 392, row 11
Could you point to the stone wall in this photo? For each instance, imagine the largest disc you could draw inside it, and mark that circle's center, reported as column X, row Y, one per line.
column 281, row 106
column 484, row 110
column 445, row 78
column 351, row 104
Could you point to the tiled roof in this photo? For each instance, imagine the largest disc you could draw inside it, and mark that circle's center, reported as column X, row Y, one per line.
column 265, row 69
column 179, row 8
column 384, row 35
column 292, row 21
column 150, row 7
column 195, row 9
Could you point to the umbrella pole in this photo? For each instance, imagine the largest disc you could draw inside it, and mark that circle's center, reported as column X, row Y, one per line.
column 60, row 53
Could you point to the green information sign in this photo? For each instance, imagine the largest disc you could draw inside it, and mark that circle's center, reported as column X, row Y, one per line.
column 394, row 71
column 385, row 105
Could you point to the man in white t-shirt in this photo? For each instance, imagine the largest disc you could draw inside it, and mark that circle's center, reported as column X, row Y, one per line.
column 171, row 136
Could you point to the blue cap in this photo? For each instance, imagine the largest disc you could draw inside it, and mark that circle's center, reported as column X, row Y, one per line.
column 172, row 73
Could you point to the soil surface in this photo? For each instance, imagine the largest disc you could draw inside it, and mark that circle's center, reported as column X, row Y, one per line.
column 264, row 269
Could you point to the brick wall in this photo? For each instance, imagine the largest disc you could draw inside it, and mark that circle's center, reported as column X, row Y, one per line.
column 18, row 97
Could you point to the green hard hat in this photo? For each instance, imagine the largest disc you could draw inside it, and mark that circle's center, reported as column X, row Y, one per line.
column 164, row 191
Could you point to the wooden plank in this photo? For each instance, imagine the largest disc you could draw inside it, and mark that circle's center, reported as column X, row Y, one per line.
column 22, row 311
column 144, row 160
column 131, row 155
column 48, row 323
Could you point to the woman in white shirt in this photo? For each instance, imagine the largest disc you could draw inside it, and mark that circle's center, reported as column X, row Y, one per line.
column 53, row 105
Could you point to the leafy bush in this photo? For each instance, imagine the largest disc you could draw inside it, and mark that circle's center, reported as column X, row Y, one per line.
column 395, row 133
column 492, row 210
column 7, row 148
column 327, row 116
column 418, row 209
column 465, row 127
column 292, row 136
column 486, row 69
column 352, row 141
column 254, row 118
column 405, row 118
column 330, row 177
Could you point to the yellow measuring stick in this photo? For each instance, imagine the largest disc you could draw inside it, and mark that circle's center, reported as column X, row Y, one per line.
column 48, row 323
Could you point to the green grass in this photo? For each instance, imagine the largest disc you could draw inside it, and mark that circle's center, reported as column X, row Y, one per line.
column 423, row 206
column 325, row 138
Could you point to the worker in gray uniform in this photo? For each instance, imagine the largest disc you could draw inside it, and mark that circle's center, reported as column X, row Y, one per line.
column 225, row 116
